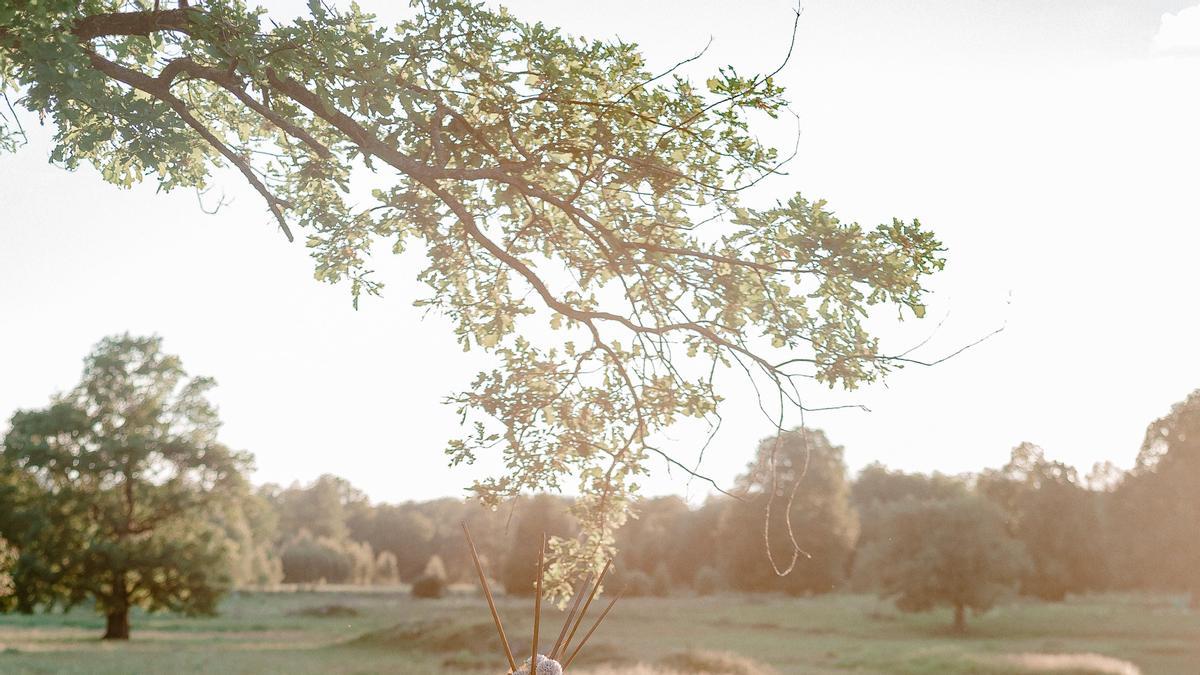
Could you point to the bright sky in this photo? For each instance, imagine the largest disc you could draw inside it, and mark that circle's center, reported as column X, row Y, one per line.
column 1054, row 147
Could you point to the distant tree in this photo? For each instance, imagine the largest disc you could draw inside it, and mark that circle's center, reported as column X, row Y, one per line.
column 529, row 166
column 307, row 559
column 652, row 536
column 404, row 532
column 953, row 552
column 249, row 524
column 1056, row 519
column 801, row 462
column 1155, row 510
column 877, row 488
column 876, row 484
column 362, row 561
column 322, row 508
column 538, row 515
column 109, row 489
column 387, row 570
column 697, row 539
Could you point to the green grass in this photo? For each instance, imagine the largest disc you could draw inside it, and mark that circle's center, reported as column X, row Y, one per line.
column 392, row 633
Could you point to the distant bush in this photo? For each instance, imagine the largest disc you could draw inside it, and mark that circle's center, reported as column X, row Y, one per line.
column 306, row 559
column 708, row 581
column 636, row 583
column 431, row 584
column 429, row 587
column 326, row 611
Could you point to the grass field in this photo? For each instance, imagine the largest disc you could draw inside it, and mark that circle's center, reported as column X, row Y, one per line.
column 388, row 632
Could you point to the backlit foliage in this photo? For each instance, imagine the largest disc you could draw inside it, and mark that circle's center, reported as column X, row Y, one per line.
column 550, row 179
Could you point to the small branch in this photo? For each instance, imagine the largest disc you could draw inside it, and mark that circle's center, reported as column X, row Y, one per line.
column 160, row 89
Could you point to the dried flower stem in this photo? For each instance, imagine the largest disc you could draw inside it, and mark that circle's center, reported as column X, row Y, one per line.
column 537, row 604
column 575, row 600
column 487, row 592
column 592, row 630
column 582, row 612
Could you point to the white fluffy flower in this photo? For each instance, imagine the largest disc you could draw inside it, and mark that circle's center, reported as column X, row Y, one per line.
column 545, row 666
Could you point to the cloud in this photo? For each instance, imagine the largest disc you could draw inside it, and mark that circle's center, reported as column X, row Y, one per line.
column 1179, row 33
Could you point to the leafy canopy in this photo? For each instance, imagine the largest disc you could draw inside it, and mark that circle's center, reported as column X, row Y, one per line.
column 953, row 551
column 549, row 178
column 106, row 492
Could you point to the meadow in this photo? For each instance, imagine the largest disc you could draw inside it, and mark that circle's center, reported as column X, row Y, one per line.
column 349, row 631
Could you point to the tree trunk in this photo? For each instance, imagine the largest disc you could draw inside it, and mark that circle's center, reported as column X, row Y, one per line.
column 960, row 619
column 117, row 625
column 117, row 619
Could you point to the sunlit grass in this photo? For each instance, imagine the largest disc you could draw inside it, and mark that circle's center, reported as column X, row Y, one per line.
column 269, row 632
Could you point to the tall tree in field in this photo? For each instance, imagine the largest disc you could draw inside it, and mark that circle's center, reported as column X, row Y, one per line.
column 107, row 493
column 877, row 488
column 1057, row 520
column 795, row 487
column 1156, row 508
column 653, row 536
column 949, row 552
column 322, row 507
column 549, row 179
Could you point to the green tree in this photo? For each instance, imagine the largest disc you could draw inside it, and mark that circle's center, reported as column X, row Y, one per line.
column 806, row 475
column 877, row 488
column 109, row 489
column 308, row 559
column 949, row 552
column 1156, row 508
column 1056, row 519
column 878, row 485
column 652, row 536
column 527, row 164
column 403, row 531
column 249, row 527
column 698, row 545
column 322, row 507
column 536, row 516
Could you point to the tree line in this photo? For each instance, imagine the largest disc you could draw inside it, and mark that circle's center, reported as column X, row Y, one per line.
column 119, row 495
column 1034, row 526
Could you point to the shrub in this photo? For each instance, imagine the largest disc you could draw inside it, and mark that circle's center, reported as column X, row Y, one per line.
column 428, row 586
column 307, row 560
column 708, row 581
column 636, row 583
column 431, row 584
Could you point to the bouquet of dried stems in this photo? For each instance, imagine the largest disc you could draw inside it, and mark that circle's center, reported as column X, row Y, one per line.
column 560, row 656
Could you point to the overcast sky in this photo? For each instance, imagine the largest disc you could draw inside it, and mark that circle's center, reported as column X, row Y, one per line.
column 1053, row 146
